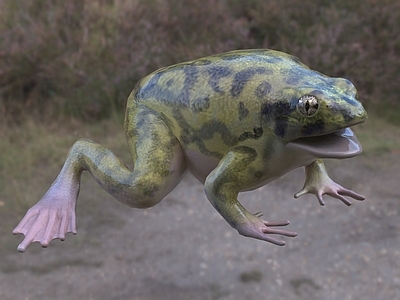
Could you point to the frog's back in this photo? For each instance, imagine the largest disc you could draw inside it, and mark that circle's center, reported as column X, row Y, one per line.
column 228, row 87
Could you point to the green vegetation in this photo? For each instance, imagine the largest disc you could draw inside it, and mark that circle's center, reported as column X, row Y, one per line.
column 82, row 58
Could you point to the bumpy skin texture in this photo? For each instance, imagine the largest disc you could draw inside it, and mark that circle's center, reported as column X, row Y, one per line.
column 236, row 120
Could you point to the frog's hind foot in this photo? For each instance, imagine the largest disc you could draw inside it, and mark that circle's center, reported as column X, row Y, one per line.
column 51, row 218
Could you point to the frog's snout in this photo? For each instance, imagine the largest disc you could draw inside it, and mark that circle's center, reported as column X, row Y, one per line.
column 359, row 114
column 351, row 111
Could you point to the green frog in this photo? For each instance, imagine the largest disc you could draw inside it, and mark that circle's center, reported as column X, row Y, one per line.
column 236, row 121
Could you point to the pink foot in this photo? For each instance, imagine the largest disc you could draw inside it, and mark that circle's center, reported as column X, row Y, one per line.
column 51, row 218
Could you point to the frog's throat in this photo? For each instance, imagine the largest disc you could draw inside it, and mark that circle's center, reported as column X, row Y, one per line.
column 340, row 144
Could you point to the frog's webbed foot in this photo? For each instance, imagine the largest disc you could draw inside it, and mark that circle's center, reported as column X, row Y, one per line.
column 261, row 229
column 319, row 184
column 51, row 218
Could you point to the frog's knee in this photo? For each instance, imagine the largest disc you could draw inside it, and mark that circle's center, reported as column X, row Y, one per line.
column 210, row 187
column 142, row 202
column 146, row 191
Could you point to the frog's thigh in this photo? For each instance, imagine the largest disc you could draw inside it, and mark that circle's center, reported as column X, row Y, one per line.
column 159, row 163
column 233, row 174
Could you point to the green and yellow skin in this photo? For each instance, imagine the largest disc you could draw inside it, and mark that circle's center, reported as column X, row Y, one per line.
column 236, row 121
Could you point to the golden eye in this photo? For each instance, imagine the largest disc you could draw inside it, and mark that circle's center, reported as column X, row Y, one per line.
column 308, row 105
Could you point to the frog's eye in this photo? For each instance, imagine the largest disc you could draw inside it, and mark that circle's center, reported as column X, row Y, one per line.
column 307, row 105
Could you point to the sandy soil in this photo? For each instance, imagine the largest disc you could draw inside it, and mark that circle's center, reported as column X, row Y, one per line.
column 182, row 248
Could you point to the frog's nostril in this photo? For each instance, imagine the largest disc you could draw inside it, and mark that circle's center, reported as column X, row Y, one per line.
column 361, row 114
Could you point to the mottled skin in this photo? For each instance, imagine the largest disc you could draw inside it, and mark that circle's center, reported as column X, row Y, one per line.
column 236, row 120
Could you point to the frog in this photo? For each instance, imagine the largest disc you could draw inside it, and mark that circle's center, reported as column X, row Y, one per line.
column 236, row 121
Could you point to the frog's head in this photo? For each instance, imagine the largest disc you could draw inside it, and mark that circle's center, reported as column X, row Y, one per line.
column 315, row 118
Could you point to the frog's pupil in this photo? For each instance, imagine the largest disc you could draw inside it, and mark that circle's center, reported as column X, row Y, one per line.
column 307, row 106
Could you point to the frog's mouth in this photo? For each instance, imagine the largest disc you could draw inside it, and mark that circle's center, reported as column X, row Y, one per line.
column 339, row 144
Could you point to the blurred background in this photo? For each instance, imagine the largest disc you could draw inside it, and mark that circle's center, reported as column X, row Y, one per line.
column 83, row 57
column 66, row 70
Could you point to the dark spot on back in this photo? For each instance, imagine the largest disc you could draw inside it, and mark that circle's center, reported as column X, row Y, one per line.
column 272, row 59
column 293, row 80
column 295, row 75
column 276, row 110
column 149, row 89
column 200, row 104
column 256, row 134
column 152, row 88
column 208, row 130
column 276, row 114
column 216, row 73
column 243, row 111
column 241, row 78
column 263, row 89
column 191, row 75
column 190, row 135
column 280, row 127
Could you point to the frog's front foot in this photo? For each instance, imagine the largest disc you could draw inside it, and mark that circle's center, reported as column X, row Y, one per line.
column 332, row 189
column 319, row 183
column 260, row 229
column 51, row 218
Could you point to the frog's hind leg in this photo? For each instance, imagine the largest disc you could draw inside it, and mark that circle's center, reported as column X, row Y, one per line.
column 158, row 167
column 159, row 162
column 157, row 156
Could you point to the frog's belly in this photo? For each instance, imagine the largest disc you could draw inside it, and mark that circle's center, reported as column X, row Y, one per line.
column 200, row 165
column 287, row 160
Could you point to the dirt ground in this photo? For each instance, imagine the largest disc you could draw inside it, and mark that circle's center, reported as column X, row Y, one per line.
column 183, row 249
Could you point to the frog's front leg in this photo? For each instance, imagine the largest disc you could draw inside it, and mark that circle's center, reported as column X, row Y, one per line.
column 319, row 183
column 236, row 172
column 158, row 167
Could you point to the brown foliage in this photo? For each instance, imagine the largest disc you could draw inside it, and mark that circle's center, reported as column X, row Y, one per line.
column 83, row 57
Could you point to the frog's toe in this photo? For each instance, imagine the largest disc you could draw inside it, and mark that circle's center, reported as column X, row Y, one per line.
column 263, row 230
column 337, row 191
column 276, row 223
column 308, row 190
column 346, row 192
column 321, row 199
column 304, row 191
column 268, row 230
column 21, row 248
